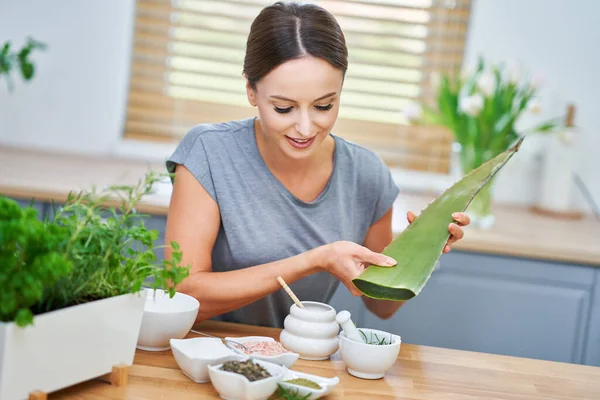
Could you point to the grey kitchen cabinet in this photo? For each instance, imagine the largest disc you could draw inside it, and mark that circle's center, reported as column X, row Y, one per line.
column 158, row 223
column 592, row 339
column 503, row 305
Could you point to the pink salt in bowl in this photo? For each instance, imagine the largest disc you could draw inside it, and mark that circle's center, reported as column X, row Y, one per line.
column 265, row 348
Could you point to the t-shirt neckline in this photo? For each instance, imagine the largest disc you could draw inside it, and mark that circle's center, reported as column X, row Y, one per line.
column 281, row 187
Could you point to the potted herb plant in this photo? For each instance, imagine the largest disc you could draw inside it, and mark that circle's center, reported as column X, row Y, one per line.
column 482, row 109
column 9, row 60
column 72, row 294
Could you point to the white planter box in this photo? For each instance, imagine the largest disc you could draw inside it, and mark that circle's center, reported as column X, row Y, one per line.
column 69, row 346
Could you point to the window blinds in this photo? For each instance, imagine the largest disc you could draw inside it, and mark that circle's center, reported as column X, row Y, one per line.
column 188, row 56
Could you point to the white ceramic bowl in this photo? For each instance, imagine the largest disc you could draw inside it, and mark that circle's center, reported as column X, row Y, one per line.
column 369, row 361
column 232, row 386
column 285, row 359
column 327, row 384
column 194, row 355
column 166, row 318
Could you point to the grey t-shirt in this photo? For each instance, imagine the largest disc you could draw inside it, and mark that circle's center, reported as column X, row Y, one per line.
column 261, row 221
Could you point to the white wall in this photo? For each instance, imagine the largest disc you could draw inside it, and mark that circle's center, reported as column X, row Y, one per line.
column 77, row 101
column 557, row 39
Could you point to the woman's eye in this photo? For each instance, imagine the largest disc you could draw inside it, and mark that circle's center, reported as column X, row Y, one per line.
column 283, row 110
column 325, row 108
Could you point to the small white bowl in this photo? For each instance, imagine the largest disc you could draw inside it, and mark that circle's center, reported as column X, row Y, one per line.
column 166, row 318
column 327, row 384
column 369, row 361
column 194, row 355
column 233, row 386
column 285, row 359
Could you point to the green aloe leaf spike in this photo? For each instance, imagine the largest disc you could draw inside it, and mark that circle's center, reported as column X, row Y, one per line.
column 420, row 245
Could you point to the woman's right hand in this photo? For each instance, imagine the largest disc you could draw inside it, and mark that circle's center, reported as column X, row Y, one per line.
column 346, row 260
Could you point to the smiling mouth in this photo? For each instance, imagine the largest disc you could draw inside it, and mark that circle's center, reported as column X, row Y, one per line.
column 301, row 140
column 300, row 143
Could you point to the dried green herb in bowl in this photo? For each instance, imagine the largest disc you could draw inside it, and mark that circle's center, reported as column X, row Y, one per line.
column 376, row 340
column 252, row 371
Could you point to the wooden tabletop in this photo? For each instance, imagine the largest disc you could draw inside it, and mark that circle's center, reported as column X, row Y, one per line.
column 420, row 372
column 517, row 232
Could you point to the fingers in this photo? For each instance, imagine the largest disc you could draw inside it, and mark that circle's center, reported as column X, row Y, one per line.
column 411, row 216
column 352, row 271
column 456, row 234
column 461, row 218
column 353, row 290
column 371, row 257
column 456, row 231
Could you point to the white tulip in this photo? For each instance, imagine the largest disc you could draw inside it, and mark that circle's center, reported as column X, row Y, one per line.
column 534, row 106
column 486, row 83
column 537, row 80
column 513, row 73
column 471, row 105
column 466, row 73
column 413, row 112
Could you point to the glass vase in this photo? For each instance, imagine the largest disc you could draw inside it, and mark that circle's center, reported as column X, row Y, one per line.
column 480, row 210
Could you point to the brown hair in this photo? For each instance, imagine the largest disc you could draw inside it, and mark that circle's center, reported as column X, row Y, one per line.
column 285, row 31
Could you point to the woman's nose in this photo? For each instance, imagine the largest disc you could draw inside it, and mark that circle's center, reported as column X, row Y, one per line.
column 303, row 126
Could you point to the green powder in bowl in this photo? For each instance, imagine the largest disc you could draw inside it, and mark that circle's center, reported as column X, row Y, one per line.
column 304, row 382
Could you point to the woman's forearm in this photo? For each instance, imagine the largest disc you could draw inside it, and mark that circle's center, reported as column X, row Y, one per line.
column 222, row 292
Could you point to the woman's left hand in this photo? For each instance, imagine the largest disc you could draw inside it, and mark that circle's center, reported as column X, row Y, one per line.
column 455, row 229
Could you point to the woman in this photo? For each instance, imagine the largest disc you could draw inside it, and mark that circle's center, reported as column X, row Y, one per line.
column 280, row 195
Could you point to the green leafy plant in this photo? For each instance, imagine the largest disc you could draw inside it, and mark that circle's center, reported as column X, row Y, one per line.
column 379, row 341
column 482, row 110
column 288, row 394
column 9, row 60
column 87, row 250
column 32, row 258
column 419, row 246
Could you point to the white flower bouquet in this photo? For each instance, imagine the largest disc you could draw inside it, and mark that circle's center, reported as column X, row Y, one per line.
column 481, row 109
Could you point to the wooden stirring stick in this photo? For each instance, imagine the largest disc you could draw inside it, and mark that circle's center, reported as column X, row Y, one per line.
column 289, row 291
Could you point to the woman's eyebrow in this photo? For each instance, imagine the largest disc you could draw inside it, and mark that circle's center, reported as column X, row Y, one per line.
column 294, row 101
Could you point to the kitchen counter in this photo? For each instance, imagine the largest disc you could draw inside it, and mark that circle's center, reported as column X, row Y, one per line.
column 420, row 372
column 518, row 232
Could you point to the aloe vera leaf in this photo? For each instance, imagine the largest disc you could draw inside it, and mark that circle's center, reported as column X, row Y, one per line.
column 418, row 248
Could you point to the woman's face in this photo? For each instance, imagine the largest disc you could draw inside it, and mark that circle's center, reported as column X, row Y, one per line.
column 298, row 103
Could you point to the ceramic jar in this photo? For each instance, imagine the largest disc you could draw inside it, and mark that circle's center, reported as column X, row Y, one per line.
column 311, row 332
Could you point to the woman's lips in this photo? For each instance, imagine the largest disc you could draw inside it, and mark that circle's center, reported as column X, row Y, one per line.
column 300, row 143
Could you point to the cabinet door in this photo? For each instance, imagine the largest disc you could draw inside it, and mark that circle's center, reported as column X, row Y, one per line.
column 499, row 305
column 159, row 223
column 592, row 339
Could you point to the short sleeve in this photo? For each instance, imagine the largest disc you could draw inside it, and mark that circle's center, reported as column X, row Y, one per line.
column 192, row 154
column 387, row 191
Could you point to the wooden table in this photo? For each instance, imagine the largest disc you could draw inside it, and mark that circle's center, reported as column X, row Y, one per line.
column 420, row 373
